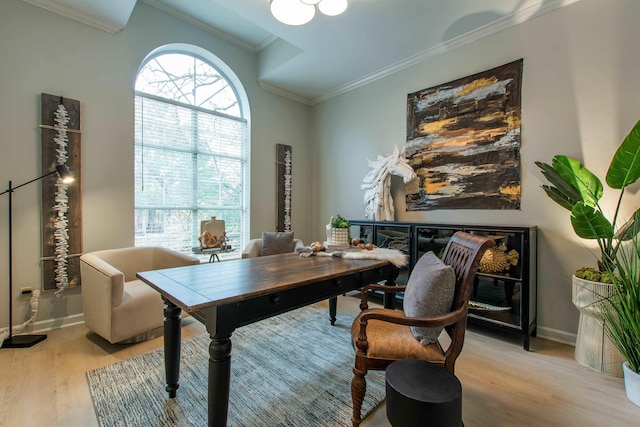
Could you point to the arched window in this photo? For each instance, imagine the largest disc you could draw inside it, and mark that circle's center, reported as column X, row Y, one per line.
column 191, row 152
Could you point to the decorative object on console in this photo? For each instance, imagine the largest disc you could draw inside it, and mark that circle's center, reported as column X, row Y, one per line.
column 338, row 233
column 9, row 340
column 463, row 139
column 377, row 184
column 61, row 205
column 284, row 159
column 299, row 12
column 497, row 259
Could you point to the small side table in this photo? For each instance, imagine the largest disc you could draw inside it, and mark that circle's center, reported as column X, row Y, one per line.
column 422, row 394
column 213, row 252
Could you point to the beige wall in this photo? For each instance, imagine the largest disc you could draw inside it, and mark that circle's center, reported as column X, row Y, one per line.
column 42, row 52
column 580, row 97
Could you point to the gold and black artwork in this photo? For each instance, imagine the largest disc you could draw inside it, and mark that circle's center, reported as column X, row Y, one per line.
column 463, row 142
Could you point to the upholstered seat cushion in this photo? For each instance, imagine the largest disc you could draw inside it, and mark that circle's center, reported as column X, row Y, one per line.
column 390, row 341
column 274, row 243
column 429, row 293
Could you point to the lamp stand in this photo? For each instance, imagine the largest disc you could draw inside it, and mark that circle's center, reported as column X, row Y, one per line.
column 23, row 341
column 17, row 341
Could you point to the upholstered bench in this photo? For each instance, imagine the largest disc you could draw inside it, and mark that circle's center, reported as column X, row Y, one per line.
column 422, row 394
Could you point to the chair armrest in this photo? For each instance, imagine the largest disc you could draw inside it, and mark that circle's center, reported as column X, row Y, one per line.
column 253, row 248
column 101, row 279
column 425, row 322
column 399, row 318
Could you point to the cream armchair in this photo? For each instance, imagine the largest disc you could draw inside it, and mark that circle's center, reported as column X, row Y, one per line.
column 117, row 306
column 254, row 248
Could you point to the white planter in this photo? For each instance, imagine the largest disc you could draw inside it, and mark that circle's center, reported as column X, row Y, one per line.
column 631, row 384
column 594, row 349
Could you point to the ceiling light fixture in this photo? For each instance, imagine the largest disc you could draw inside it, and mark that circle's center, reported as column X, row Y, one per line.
column 299, row 12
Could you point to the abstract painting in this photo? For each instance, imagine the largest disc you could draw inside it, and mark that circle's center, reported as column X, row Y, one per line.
column 463, row 142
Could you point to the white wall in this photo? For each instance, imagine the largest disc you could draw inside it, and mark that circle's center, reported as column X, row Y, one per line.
column 42, row 52
column 580, row 97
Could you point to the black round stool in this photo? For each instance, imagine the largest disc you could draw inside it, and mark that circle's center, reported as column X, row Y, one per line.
column 421, row 394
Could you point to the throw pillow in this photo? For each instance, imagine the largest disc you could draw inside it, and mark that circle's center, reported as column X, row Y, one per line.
column 429, row 293
column 277, row 243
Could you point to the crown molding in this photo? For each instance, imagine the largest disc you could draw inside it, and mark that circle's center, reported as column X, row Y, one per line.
column 86, row 18
column 203, row 26
column 482, row 32
column 286, row 94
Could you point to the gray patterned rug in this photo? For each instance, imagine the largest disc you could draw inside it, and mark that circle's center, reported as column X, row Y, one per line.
column 289, row 370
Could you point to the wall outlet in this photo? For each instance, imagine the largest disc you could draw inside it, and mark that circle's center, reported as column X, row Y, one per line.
column 25, row 293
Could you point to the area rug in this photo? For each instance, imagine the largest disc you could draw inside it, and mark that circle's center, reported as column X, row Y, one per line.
column 289, row 370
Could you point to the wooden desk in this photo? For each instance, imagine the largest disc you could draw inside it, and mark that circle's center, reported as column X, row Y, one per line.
column 226, row 295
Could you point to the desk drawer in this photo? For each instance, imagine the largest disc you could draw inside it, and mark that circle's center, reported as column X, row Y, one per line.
column 266, row 306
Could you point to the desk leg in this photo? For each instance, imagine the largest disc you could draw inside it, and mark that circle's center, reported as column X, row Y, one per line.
column 219, row 380
column 333, row 309
column 172, row 321
column 221, row 322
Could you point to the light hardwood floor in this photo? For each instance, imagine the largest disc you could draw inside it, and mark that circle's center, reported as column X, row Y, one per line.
column 503, row 385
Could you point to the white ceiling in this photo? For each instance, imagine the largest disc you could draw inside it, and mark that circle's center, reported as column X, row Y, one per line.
column 329, row 55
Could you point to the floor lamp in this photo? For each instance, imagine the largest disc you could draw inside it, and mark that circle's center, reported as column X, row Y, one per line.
column 22, row 341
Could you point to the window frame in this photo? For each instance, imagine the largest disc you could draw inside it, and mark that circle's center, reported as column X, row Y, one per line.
column 245, row 150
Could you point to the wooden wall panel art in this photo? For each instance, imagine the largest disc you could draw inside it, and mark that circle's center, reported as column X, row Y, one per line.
column 284, row 158
column 463, row 142
column 61, row 203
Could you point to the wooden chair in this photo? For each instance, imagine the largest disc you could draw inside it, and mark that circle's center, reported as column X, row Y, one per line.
column 381, row 336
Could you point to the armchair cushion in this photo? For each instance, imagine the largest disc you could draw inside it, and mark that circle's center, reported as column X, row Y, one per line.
column 277, row 243
column 429, row 293
column 388, row 340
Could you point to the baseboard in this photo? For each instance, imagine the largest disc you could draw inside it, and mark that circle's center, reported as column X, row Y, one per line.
column 556, row 335
column 51, row 324
column 61, row 322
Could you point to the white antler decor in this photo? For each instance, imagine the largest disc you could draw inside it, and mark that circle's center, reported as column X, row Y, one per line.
column 377, row 184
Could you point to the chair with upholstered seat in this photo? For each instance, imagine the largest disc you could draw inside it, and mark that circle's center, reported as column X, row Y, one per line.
column 381, row 336
column 116, row 304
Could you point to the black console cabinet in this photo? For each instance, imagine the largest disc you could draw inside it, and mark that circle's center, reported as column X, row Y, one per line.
column 504, row 293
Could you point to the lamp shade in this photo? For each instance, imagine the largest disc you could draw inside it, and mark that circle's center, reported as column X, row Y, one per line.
column 310, row 1
column 333, row 7
column 292, row 12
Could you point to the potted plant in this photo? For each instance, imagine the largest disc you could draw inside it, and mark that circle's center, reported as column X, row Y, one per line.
column 338, row 231
column 578, row 190
column 621, row 313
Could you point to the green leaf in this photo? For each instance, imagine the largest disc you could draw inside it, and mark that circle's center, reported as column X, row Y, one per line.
column 558, row 197
column 587, row 184
column 590, row 223
column 625, row 166
column 630, row 228
column 561, row 190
